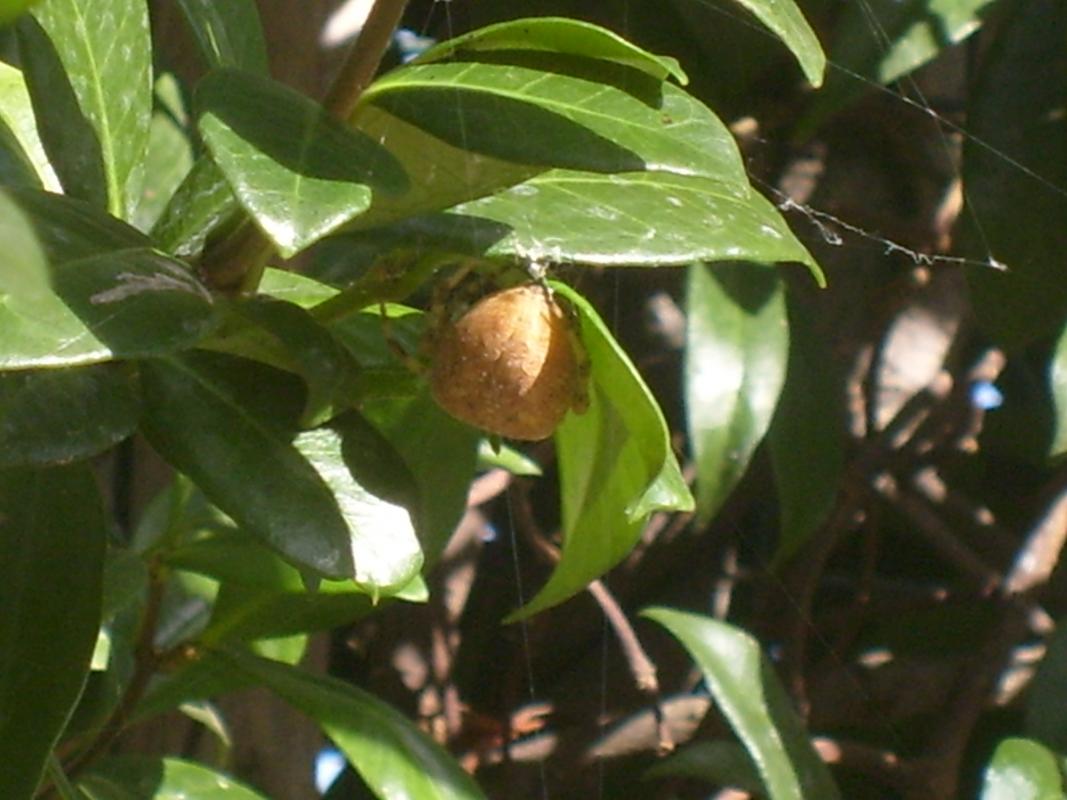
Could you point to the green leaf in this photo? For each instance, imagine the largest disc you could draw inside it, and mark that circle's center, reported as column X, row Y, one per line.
column 503, row 457
column 440, row 454
column 737, row 347
column 557, row 35
column 752, row 699
column 720, row 763
column 633, row 219
column 88, row 66
column 880, row 41
column 82, row 288
column 786, row 21
column 575, row 113
column 149, row 778
column 392, row 756
column 227, row 34
column 1044, row 720
column 616, row 466
column 302, row 176
column 58, row 416
column 1015, row 109
column 1058, row 390
column 214, row 418
column 169, row 156
column 18, row 123
column 202, row 205
column 284, row 335
column 806, row 438
column 294, row 288
column 1022, row 769
column 52, row 534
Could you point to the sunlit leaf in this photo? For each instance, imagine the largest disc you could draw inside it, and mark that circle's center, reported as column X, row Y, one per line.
column 1022, row 769
column 59, row 416
column 148, row 778
column 300, row 177
column 616, row 466
column 88, row 66
column 52, row 533
column 737, row 346
column 787, row 22
column 16, row 118
column 392, row 756
column 557, row 35
column 81, row 288
column 169, row 156
column 751, row 697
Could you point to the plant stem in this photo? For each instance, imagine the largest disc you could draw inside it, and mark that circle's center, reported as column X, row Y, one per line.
column 59, row 779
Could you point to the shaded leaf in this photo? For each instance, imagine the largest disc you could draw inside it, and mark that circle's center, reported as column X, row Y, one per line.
column 202, row 205
column 148, row 778
column 880, row 41
column 69, row 297
column 302, row 176
column 58, row 416
column 558, row 35
column 52, row 533
column 806, row 438
column 555, row 110
column 21, row 147
column 1044, row 718
column 169, row 155
column 785, row 19
column 392, row 756
column 1015, row 109
column 1022, row 769
column 752, row 699
column 616, row 466
column 736, row 354
column 720, row 763
column 88, row 67
column 227, row 34
column 211, row 417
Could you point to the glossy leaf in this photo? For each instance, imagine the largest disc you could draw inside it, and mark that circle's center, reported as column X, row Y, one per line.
column 211, row 418
column 148, row 778
column 59, row 416
column 52, row 533
column 1022, row 769
column 16, row 118
column 440, row 454
column 553, row 110
column 557, row 35
column 1022, row 84
column 82, row 288
column 720, row 763
column 737, row 346
column 879, row 41
column 392, row 756
column 286, row 336
column 785, row 19
column 616, row 466
column 88, row 66
column 202, row 205
column 1058, row 391
column 227, row 34
column 752, row 699
column 632, row 219
column 169, row 156
column 302, row 176
column 295, row 288
column 806, row 438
